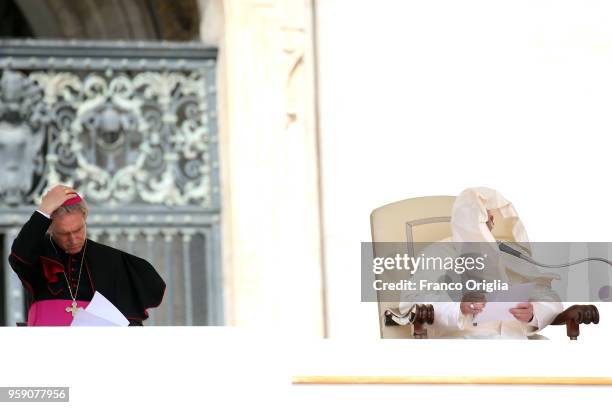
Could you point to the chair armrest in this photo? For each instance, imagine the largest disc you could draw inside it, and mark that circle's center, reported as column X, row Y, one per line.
column 417, row 316
column 574, row 316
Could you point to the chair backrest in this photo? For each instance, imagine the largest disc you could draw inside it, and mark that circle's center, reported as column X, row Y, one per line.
column 413, row 221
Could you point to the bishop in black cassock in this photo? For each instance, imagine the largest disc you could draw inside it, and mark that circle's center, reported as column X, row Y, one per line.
column 62, row 269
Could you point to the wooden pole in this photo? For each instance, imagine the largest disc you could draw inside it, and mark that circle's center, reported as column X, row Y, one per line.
column 362, row 379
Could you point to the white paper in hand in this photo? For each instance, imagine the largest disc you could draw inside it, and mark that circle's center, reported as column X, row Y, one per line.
column 499, row 307
column 100, row 312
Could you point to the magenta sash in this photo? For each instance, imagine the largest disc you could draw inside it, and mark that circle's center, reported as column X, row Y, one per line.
column 52, row 312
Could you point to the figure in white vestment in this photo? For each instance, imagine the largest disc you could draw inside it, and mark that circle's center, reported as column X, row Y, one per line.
column 476, row 212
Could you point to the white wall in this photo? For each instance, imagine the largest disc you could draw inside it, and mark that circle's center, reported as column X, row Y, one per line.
column 428, row 98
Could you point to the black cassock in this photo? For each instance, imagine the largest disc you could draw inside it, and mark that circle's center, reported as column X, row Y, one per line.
column 129, row 282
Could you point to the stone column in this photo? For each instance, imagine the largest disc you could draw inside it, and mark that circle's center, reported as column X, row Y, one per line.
column 269, row 163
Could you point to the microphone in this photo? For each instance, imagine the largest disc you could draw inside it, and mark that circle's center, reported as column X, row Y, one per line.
column 504, row 247
column 509, row 250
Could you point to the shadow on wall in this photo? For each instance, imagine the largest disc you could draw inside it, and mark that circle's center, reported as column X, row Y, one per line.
column 177, row 20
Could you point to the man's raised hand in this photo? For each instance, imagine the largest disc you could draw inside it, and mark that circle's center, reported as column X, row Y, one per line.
column 55, row 197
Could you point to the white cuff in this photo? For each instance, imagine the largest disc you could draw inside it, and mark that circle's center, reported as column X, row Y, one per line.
column 534, row 322
column 448, row 314
column 46, row 215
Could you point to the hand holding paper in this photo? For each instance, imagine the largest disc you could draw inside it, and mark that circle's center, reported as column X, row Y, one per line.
column 498, row 308
column 522, row 312
column 99, row 312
